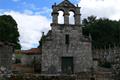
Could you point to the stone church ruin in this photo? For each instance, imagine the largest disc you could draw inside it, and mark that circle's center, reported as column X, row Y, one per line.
column 65, row 53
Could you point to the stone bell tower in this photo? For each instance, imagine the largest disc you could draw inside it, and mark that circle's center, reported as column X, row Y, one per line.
column 66, row 7
column 65, row 49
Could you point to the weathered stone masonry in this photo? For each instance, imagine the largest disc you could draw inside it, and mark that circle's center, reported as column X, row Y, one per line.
column 56, row 47
column 6, row 51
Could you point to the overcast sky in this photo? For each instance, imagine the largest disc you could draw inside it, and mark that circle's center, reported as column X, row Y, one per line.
column 34, row 16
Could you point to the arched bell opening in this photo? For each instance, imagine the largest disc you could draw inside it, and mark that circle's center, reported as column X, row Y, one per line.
column 60, row 17
column 71, row 17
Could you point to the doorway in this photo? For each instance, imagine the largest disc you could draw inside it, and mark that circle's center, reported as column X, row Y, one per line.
column 67, row 65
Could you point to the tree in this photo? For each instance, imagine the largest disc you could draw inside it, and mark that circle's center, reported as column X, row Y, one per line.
column 8, row 30
column 89, row 20
column 104, row 32
column 87, row 23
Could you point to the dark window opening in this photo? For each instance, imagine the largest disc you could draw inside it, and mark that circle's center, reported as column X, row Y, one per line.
column 67, row 39
column 92, row 78
column 17, row 61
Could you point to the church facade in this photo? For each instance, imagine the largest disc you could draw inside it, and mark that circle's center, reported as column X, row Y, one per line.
column 65, row 50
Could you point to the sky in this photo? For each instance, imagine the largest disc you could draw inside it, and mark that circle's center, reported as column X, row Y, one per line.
column 34, row 16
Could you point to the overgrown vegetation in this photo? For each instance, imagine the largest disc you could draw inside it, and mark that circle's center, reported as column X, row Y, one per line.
column 104, row 32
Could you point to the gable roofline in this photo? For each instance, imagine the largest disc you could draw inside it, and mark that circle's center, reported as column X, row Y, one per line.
column 66, row 3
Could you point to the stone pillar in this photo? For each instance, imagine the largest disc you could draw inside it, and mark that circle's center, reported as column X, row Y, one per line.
column 55, row 14
column 77, row 16
column 66, row 18
column 55, row 17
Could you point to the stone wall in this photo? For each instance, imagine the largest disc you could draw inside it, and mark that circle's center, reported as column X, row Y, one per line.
column 6, row 52
column 40, row 77
column 106, row 55
column 94, row 76
column 80, row 76
column 54, row 48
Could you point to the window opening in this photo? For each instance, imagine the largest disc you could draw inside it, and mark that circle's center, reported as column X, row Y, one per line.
column 71, row 18
column 67, row 39
column 60, row 17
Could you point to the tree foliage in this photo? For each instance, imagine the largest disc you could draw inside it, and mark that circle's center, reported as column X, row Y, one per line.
column 8, row 30
column 104, row 32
